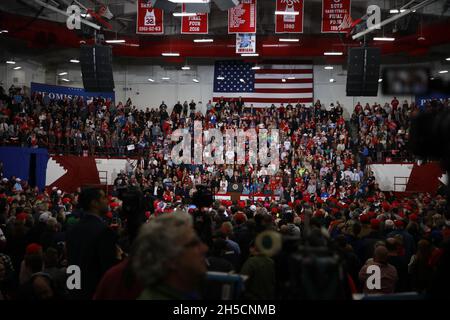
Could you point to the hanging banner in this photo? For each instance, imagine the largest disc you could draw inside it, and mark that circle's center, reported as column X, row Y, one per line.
column 149, row 20
column 242, row 18
column 334, row 12
column 196, row 24
column 245, row 43
column 61, row 92
column 289, row 23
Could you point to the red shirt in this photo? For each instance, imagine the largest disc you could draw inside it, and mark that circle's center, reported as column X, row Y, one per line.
column 394, row 104
column 113, row 285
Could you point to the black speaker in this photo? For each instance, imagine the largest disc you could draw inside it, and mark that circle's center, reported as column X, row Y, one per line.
column 198, row 7
column 103, row 61
column 363, row 71
column 226, row 4
column 96, row 68
column 87, row 62
column 164, row 5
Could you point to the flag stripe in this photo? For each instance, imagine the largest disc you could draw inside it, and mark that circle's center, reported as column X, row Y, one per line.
column 284, row 71
column 268, row 101
column 278, row 81
column 288, row 66
column 265, row 95
column 284, row 90
column 282, row 76
column 264, row 87
column 285, row 85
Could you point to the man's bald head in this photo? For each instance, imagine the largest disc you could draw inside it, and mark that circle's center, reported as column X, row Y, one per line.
column 380, row 254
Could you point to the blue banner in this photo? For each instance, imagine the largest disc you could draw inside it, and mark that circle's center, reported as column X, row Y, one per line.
column 421, row 100
column 60, row 92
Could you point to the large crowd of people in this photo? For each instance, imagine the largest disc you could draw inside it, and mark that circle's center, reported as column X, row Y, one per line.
column 161, row 245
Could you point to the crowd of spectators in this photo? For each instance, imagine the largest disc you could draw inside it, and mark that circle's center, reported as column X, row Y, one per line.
column 325, row 197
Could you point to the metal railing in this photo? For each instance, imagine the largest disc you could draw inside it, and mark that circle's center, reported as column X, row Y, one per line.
column 400, row 182
column 103, row 176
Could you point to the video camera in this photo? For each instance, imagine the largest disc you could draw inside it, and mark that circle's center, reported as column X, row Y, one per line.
column 203, row 197
column 132, row 210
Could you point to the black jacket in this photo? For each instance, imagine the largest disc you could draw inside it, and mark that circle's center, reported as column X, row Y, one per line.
column 91, row 245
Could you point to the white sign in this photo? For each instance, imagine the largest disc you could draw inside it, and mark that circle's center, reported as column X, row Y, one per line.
column 73, row 17
column 245, row 43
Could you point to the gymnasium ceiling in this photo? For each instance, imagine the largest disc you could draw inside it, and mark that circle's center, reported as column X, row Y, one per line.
column 41, row 33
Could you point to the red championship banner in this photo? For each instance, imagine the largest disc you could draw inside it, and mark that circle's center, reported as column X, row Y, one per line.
column 242, row 18
column 334, row 12
column 292, row 19
column 149, row 20
column 196, row 24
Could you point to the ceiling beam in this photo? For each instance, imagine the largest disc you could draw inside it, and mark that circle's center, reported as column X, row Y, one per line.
column 393, row 18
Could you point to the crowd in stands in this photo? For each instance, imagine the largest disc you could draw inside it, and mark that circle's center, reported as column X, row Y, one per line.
column 326, row 197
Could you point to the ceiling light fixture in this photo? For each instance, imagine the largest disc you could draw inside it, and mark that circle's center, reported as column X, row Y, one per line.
column 397, row 11
column 287, row 13
column 184, row 14
column 115, row 41
column 383, row 39
column 189, row 1
column 289, row 39
column 170, row 54
column 333, row 53
column 203, row 40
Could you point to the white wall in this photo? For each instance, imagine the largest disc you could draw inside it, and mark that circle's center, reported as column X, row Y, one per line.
column 180, row 87
column 54, row 171
column 31, row 72
column 328, row 92
column 386, row 174
column 144, row 93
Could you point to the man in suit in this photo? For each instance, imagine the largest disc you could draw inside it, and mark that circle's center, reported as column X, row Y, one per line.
column 91, row 245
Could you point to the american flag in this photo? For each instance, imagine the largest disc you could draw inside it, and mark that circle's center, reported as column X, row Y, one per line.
column 271, row 84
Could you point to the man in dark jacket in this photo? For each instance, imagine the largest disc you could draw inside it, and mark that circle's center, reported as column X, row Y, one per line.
column 91, row 245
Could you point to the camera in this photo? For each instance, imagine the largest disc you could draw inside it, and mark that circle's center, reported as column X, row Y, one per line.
column 132, row 210
column 203, row 197
column 429, row 133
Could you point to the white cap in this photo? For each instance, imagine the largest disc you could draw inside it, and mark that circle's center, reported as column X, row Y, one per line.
column 253, row 207
column 59, row 192
column 18, row 180
column 389, row 223
column 44, row 216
